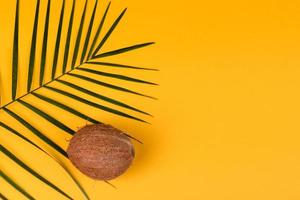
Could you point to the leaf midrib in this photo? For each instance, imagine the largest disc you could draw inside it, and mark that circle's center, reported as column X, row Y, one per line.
column 39, row 87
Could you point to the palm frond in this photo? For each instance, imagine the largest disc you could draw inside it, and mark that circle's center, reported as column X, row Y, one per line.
column 15, row 185
column 13, row 131
column 99, row 96
column 108, row 85
column 109, row 32
column 88, row 35
column 3, row 197
column 103, row 64
column 117, row 76
column 98, row 31
column 57, row 43
column 15, row 60
column 33, row 47
column 99, row 106
column 66, row 54
column 44, row 48
column 36, row 132
column 47, row 117
column 31, row 171
column 122, row 50
column 66, row 108
column 86, row 55
column 18, row 134
column 78, row 37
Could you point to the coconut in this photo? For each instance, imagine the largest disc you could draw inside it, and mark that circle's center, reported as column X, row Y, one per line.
column 101, row 151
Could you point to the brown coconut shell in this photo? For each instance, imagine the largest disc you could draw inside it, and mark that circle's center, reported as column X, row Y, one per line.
column 101, row 151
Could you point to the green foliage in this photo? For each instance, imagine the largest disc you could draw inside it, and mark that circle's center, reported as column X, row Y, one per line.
column 89, row 54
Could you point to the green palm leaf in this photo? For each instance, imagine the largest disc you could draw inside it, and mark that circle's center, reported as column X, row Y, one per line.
column 87, row 56
column 113, row 111
column 99, row 96
column 55, row 159
column 78, row 37
column 66, row 54
column 117, row 76
column 88, row 35
column 17, row 134
column 47, row 117
column 15, row 55
column 3, row 197
column 122, row 50
column 66, row 108
column 57, row 43
column 109, row 32
column 103, row 64
column 33, row 47
column 45, row 41
column 36, row 131
column 98, row 31
column 31, row 171
column 15, row 185
column 108, row 85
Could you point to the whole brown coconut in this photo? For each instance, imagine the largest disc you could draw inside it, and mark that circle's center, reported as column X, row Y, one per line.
column 101, row 151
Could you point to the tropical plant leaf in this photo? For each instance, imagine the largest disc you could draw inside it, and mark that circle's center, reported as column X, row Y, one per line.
column 31, row 171
column 15, row 60
column 78, row 37
column 3, row 197
column 66, row 108
column 88, row 53
column 122, row 50
column 57, row 43
column 47, row 117
column 119, row 65
column 33, row 47
column 66, row 54
column 98, row 31
column 88, row 35
column 44, row 48
column 99, row 96
column 60, row 106
column 15, row 185
column 109, row 32
column 17, row 134
column 74, row 179
column 117, row 76
column 101, row 107
column 36, row 132
column 108, row 85
column 51, row 156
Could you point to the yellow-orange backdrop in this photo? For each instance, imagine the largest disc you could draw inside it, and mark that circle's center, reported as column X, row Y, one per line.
column 226, row 124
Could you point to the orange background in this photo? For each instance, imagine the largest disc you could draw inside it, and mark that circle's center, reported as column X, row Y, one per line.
column 226, row 124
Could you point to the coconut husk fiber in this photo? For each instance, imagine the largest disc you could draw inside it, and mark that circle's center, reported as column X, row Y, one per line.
column 101, row 151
